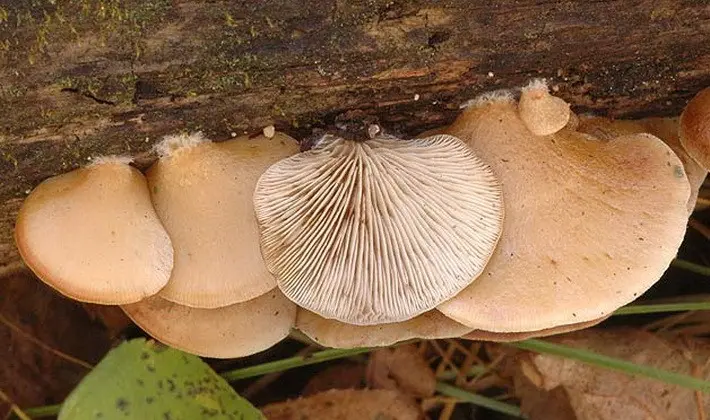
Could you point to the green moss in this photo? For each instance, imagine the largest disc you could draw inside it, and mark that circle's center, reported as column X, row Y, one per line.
column 8, row 157
column 29, row 29
column 12, row 91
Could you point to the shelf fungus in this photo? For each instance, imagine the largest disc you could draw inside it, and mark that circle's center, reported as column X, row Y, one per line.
column 93, row 235
column 378, row 231
column 203, row 193
column 521, row 219
column 590, row 223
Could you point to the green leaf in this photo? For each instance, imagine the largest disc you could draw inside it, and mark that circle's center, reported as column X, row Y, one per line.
column 145, row 380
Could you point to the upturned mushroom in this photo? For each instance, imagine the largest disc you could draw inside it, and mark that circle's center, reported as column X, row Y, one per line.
column 93, row 235
column 590, row 224
column 237, row 330
column 378, row 231
column 202, row 192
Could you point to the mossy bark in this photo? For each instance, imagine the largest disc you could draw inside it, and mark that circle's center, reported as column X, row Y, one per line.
column 83, row 78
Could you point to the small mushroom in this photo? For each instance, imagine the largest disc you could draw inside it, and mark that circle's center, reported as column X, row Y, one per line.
column 695, row 128
column 542, row 113
column 330, row 333
column 203, row 192
column 236, row 330
column 666, row 129
column 93, row 234
column 590, row 224
column 377, row 231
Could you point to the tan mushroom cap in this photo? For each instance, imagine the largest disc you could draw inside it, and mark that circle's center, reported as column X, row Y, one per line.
column 480, row 335
column 590, row 224
column 541, row 112
column 665, row 129
column 203, row 193
column 378, row 231
column 330, row 333
column 236, row 330
column 93, row 235
column 695, row 128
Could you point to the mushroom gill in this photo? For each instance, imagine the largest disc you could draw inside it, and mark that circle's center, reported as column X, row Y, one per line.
column 380, row 230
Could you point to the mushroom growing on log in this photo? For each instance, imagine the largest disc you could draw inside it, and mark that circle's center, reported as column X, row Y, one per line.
column 202, row 192
column 590, row 223
column 378, row 231
column 381, row 240
column 93, row 235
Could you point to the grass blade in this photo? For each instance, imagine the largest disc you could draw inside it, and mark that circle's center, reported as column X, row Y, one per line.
column 43, row 411
column 465, row 396
column 692, row 267
column 663, row 307
column 291, row 363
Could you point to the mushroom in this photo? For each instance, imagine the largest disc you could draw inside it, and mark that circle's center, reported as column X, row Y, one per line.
column 695, row 128
column 378, row 231
column 542, row 113
column 666, row 129
column 330, row 333
column 590, row 224
column 203, row 192
column 93, row 235
column 236, row 330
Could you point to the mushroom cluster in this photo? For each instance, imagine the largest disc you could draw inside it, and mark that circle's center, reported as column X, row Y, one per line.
column 520, row 219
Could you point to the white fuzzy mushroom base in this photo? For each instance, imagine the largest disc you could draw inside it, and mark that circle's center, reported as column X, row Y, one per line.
column 378, row 231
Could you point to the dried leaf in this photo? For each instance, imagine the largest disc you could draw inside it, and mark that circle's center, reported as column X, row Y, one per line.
column 401, row 368
column 340, row 376
column 551, row 387
column 347, row 405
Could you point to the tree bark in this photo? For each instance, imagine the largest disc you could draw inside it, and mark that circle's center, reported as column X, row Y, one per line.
column 83, row 78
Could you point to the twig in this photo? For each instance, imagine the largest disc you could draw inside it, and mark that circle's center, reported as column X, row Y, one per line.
column 13, row 407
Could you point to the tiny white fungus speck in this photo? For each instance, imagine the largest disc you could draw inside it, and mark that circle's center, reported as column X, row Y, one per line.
column 269, row 131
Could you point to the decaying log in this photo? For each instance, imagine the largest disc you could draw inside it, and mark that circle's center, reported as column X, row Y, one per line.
column 82, row 78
